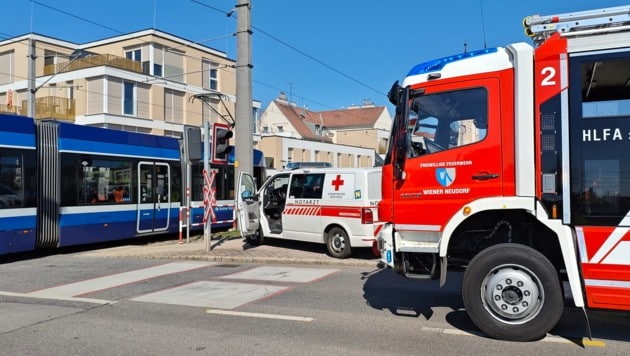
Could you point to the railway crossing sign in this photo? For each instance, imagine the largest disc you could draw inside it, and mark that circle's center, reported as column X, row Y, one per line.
column 209, row 200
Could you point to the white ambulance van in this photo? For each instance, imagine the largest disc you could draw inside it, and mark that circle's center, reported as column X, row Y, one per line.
column 333, row 206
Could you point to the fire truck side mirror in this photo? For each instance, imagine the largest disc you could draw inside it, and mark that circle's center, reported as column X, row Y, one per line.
column 394, row 93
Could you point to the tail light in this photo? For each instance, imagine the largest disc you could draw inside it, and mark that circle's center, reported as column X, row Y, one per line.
column 367, row 216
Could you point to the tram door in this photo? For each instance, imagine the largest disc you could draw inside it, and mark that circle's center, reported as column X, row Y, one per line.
column 154, row 200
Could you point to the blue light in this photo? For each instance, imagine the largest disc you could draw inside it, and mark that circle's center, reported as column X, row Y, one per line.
column 388, row 256
column 437, row 64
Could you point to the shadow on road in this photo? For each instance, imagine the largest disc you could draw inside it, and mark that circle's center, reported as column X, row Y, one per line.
column 385, row 290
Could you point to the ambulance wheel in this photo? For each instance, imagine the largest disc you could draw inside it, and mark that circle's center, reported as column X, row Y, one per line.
column 512, row 292
column 338, row 243
column 257, row 239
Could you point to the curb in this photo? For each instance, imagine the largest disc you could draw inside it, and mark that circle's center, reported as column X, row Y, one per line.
column 250, row 259
column 230, row 250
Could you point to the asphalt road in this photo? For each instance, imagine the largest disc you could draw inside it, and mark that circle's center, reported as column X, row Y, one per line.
column 280, row 298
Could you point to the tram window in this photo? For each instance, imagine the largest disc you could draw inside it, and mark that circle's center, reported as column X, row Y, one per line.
column 98, row 179
column 11, row 181
column 223, row 181
column 176, row 183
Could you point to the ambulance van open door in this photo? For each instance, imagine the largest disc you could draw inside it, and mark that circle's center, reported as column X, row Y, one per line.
column 248, row 207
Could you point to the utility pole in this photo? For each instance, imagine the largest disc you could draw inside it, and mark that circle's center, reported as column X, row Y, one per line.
column 31, row 78
column 244, row 114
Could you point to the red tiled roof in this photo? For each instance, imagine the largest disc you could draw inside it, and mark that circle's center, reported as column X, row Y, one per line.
column 361, row 117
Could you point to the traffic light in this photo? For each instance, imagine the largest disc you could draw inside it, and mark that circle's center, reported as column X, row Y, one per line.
column 221, row 142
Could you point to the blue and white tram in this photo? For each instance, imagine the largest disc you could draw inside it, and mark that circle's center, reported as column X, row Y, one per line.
column 63, row 184
column 112, row 184
column 17, row 184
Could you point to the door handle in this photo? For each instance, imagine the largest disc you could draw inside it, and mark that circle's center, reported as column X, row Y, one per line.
column 485, row 176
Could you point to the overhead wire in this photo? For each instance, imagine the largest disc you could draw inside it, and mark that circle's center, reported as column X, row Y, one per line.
column 284, row 43
column 226, row 67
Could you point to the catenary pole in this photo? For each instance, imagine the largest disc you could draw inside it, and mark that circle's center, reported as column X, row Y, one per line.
column 244, row 114
column 31, row 111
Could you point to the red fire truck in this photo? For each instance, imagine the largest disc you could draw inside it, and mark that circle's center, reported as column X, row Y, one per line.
column 513, row 165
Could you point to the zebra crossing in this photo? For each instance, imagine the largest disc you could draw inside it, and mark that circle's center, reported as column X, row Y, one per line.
column 223, row 292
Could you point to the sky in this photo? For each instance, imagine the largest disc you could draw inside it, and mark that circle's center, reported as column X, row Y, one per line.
column 322, row 54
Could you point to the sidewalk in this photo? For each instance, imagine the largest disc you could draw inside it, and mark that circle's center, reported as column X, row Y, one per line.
column 236, row 250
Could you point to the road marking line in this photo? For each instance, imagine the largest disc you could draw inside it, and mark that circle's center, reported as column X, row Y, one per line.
column 115, row 280
column 459, row 332
column 595, row 343
column 70, row 299
column 556, row 339
column 259, row 315
column 548, row 338
column 283, row 274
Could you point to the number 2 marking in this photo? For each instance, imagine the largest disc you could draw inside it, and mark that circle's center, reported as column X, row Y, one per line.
column 550, row 74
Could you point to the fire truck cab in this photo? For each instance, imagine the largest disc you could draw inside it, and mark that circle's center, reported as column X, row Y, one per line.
column 511, row 164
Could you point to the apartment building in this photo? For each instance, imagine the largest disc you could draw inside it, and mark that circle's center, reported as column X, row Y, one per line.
column 142, row 81
column 353, row 137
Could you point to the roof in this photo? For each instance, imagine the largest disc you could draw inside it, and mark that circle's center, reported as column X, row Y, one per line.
column 304, row 120
column 154, row 32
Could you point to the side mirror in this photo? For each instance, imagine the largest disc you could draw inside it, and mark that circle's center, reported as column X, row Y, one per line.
column 247, row 195
column 394, row 93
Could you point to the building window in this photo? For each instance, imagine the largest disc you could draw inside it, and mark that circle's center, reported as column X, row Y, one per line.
column 210, row 75
column 7, row 65
column 134, row 55
column 174, row 65
column 129, row 98
column 158, row 60
column 173, row 106
column 280, row 128
column 170, row 133
column 50, row 58
column 157, row 70
column 214, row 78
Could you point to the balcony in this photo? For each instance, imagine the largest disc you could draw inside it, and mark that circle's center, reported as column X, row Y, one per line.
column 52, row 107
column 94, row 61
column 5, row 109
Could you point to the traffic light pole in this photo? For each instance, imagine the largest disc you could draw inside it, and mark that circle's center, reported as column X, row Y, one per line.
column 206, row 170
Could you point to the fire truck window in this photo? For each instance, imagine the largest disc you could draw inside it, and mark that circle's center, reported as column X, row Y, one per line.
column 600, row 164
column 602, row 188
column 447, row 120
column 605, row 91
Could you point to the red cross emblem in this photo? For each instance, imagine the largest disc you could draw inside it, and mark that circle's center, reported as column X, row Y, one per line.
column 338, row 182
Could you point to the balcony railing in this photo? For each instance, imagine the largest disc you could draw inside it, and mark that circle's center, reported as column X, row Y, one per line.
column 94, row 61
column 52, row 107
column 5, row 109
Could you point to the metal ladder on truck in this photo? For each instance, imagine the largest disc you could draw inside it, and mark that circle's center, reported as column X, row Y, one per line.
column 587, row 22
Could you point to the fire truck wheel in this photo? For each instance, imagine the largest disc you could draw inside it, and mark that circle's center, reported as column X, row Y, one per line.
column 338, row 243
column 257, row 239
column 512, row 292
